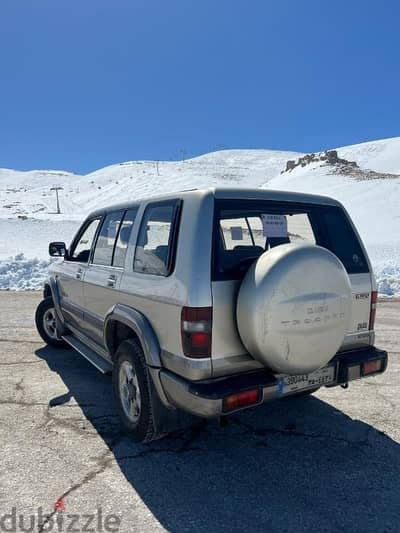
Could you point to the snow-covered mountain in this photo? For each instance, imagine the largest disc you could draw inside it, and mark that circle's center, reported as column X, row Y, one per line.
column 29, row 194
column 373, row 202
column 364, row 177
column 382, row 156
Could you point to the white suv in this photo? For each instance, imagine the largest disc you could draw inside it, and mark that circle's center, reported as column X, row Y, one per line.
column 210, row 301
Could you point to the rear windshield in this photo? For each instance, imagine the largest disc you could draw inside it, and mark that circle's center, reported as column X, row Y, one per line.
column 243, row 230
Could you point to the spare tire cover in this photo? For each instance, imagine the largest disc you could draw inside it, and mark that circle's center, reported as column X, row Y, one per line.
column 293, row 308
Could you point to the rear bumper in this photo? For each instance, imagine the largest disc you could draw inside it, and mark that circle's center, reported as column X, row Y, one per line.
column 206, row 398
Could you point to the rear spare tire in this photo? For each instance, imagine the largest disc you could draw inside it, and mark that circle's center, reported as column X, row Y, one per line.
column 293, row 308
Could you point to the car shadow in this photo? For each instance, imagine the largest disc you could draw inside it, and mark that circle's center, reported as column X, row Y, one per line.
column 292, row 465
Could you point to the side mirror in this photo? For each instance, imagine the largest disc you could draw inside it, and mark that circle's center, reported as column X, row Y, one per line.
column 57, row 249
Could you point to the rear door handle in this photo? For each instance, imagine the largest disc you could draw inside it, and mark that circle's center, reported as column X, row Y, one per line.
column 79, row 273
column 111, row 280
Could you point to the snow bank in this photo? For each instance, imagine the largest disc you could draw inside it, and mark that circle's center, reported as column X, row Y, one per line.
column 20, row 273
column 388, row 279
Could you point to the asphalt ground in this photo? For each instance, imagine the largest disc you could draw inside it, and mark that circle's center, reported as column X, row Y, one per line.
column 329, row 462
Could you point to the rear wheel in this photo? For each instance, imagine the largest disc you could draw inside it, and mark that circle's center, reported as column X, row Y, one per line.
column 131, row 385
column 46, row 323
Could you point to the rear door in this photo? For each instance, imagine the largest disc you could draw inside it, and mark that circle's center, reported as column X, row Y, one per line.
column 70, row 275
column 103, row 274
column 149, row 283
column 243, row 230
column 341, row 238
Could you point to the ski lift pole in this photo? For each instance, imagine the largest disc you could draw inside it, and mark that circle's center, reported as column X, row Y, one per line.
column 57, row 188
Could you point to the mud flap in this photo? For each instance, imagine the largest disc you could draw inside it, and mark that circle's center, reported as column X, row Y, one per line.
column 166, row 418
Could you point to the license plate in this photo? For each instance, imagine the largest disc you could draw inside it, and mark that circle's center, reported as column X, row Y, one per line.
column 323, row 376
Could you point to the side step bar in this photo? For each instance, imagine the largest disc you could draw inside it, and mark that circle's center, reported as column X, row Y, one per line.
column 97, row 361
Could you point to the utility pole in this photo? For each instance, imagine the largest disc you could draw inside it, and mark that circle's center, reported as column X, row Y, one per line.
column 158, row 171
column 184, row 152
column 57, row 188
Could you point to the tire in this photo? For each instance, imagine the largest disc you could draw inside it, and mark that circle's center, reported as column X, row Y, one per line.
column 294, row 308
column 45, row 320
column 132, row 390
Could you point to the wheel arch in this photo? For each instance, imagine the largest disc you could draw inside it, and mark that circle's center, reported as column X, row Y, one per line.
column 123, row 322
column 50, row 289
column 47, row 290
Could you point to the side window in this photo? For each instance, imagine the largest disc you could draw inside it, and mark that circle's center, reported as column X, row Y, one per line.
column 236, row 233
column 256, row 228
column 343, row 242
column 104, row 248
column 154, row 248
column 81, row 251
column 123, row 237
column 241, row 232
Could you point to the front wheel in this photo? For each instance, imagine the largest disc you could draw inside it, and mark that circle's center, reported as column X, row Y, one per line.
column 46, row 324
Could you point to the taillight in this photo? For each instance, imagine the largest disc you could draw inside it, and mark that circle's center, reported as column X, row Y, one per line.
column 371, row 367
column 374, row 299
column 196, row 324
column 242, row 399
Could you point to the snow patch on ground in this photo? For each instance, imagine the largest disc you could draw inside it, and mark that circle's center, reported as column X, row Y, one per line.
column 388, row 280
column 385, row 259
column 21, row 273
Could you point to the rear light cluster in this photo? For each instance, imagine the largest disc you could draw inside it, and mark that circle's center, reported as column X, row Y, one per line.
column 196, row 325
column 374, row 300
column 241, row 399
column 371, row 367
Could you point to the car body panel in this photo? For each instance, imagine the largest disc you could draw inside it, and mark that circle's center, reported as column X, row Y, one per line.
column 100, row 292
column 69, row 277
column 87, row 302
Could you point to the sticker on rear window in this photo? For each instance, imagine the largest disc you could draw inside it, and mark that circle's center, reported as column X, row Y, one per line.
column 274, row 225
column 236, row 233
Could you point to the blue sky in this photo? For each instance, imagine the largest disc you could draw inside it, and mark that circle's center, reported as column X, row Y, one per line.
column 86, row 83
